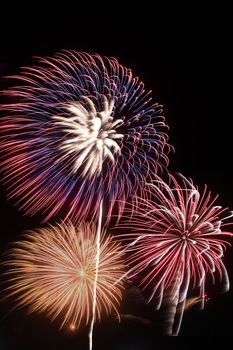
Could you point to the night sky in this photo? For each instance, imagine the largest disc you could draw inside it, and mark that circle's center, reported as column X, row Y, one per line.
column 183, row 55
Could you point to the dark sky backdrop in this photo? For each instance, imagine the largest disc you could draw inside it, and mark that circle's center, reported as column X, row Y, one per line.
column 183, row 54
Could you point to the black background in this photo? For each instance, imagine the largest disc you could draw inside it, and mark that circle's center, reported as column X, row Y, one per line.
column 182, row 53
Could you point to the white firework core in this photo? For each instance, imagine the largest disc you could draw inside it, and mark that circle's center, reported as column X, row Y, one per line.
column 91, row 136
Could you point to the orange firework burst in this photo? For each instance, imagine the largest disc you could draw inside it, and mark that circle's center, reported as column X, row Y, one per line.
column 53, row 271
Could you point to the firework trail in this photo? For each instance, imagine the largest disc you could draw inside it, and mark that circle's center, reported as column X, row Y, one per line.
column 53, row 270
column 177, row 241
column 79, row 130
column 98, row 238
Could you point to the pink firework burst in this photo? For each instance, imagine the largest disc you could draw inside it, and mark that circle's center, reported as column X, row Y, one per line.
column 177, row 240
column 79, row 129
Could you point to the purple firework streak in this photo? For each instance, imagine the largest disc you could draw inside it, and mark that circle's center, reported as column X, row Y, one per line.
column 177, row 241
column 79, row 129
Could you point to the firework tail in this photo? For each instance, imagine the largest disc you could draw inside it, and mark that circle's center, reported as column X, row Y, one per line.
column 98, row 236
column 170, row 315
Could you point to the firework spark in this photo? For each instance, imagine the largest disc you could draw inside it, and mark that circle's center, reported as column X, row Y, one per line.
column 54, row 270
column 78, row 129
column 177, row 241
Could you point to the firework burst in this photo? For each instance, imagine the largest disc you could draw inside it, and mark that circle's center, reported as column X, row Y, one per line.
column 78, row 129
column 54, row 270
column 177, row 241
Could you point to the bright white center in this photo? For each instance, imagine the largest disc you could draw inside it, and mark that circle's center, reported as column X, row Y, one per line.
column 90, row 136
column 82, row 273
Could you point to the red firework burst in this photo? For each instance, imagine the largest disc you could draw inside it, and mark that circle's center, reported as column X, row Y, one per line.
column 177, row 239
